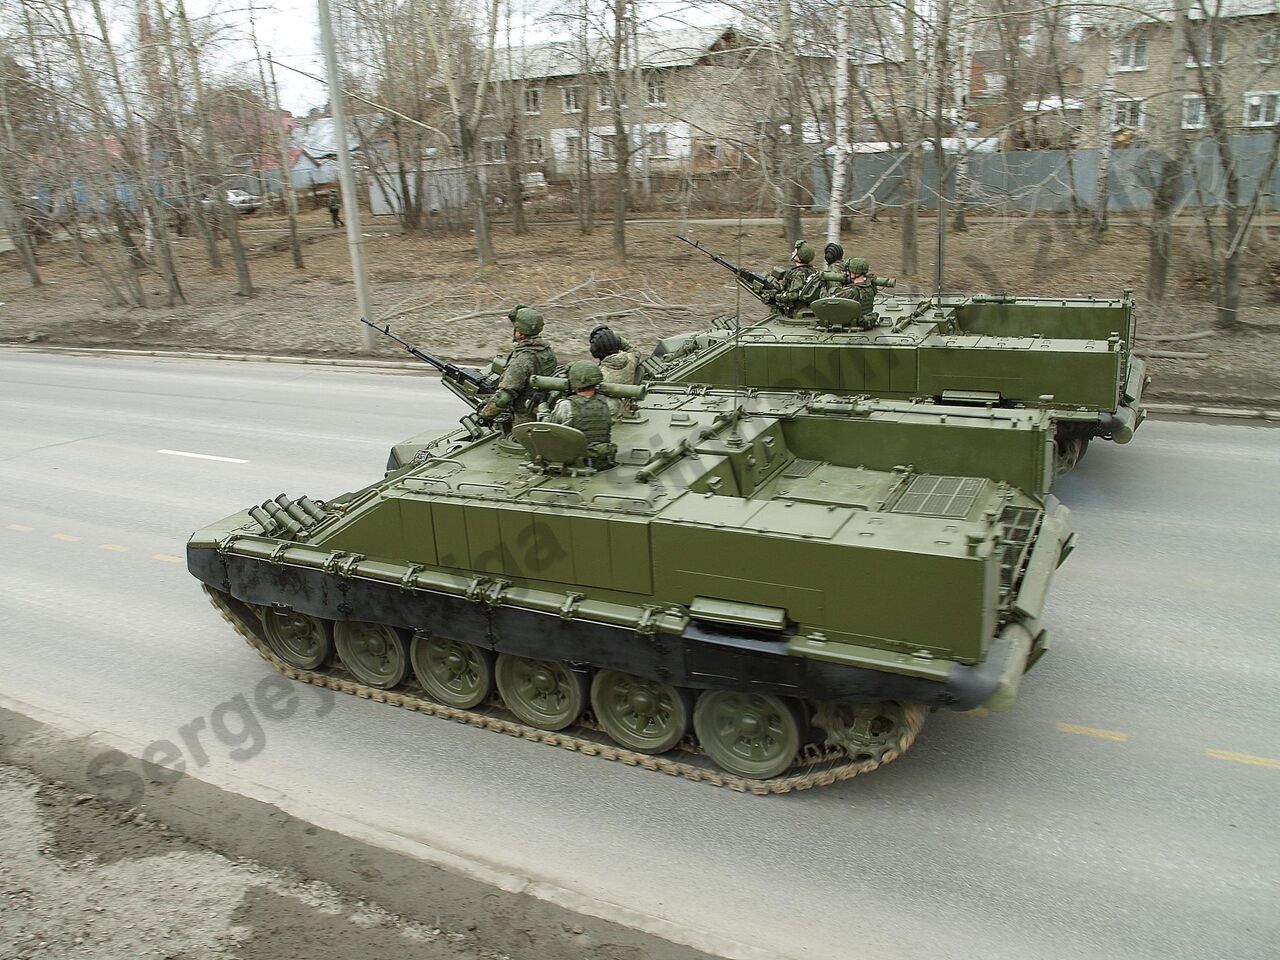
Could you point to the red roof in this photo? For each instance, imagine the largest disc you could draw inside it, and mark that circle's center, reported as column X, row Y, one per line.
column 270, row 161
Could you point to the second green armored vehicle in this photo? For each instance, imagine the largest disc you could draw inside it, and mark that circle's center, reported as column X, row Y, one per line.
column 1072, row 357
column 767, row 591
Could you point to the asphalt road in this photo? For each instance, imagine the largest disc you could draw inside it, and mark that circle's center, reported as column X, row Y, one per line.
column 1126, row 807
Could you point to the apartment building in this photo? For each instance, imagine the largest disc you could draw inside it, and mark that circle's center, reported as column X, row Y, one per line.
column 1149, row 67
column 690, row 97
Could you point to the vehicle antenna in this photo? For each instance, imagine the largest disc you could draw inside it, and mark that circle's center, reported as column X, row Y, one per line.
column 738, row 361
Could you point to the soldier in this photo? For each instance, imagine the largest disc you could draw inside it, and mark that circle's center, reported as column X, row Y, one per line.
column 854, row 283
column 618, row 364
column 798, row 285
column 531, row 357
column 586, row 411
column 833, row 253
column 335, row 205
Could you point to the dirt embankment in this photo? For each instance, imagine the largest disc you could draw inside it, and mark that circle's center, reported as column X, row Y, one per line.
column 438, row 296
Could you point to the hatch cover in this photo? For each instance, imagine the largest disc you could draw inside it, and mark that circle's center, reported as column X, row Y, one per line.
column 951, row 497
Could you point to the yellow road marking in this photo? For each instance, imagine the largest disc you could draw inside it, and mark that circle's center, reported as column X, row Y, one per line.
column 19, row 527
column 65, row 537
column 166, row 558
column 1243, row 758
column 1101, row 734
column 114, row 547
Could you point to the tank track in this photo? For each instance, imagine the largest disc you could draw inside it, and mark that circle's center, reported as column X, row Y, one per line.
column 816, row 766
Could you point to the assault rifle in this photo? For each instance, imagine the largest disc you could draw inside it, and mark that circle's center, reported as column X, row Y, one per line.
column 466, row 383
column 757, row 283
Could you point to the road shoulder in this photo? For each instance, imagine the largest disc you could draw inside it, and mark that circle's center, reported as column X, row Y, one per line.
column 471, row 906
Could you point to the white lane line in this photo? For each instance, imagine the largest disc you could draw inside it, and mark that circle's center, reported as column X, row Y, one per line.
column 201, row 456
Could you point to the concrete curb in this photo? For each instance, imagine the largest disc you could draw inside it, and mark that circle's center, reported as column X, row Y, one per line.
column 1194, row 410
column 1167, row 409
column 506, row 910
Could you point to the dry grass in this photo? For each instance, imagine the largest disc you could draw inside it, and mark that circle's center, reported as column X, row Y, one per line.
column 437, row 294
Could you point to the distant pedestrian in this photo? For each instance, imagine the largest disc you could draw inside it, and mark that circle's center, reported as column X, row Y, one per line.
column 335, row 209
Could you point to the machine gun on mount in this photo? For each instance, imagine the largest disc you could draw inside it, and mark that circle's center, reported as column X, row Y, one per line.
column 467, row 384
column 758, row 285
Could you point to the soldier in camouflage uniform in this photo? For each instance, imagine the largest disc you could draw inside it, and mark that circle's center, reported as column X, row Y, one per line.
column 618, row 364
column 798, row 285
column 589, row 412
column 531, row 357
column 852, row 282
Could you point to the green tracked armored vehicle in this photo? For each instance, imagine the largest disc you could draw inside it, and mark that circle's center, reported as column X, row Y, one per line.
column 738, row 600
column 1072, row 357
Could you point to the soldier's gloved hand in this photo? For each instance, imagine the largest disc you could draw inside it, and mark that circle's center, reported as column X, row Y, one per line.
column 490, row 411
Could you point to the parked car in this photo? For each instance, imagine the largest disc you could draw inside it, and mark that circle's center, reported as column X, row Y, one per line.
column 240, row 200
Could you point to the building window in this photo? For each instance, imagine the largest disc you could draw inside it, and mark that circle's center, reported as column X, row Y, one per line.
column 1131, row 54
column 533, row 100
column 495, row 150
column 1192, row 112
column 1267, row 49
column 995, row 83
column 656, row 92
column 571, row 99
column 533, row 149
column 572, row 145
column 658, row 143
column 605, row 98
column 1261, row 108
column 608, row 147
column 1129, row 114
column 1201, row 42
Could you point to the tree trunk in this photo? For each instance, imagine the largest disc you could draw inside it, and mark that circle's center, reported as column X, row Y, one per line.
column 476, row 191
column 226, row 216
column 1167, row 189
column 11, row 195
column 1102, row 187
column 621, row 141
column 271, row 95
column 792, row 195
column 586, row 191
column 835, row 202
column 134, row 259
column 515, row 184
column 911, row 143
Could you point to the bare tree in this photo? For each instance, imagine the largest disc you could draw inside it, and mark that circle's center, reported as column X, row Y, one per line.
column 215, row 164
column 467, row 83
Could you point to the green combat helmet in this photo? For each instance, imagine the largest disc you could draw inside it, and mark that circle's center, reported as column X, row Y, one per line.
column 584, row 374
column 525, row 320
column 858, row 266
column 803, row 252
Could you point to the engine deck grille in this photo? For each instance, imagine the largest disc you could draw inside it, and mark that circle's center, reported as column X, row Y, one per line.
column 950, row 497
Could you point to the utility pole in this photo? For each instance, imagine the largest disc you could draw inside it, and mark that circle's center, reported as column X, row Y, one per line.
column 351, row 202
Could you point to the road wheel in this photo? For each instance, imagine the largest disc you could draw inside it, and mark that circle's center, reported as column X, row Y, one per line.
column 375, row 654
column 456, row 674
column 543, row 693
column 640, row 714
column 299, row 640
column 751, row 734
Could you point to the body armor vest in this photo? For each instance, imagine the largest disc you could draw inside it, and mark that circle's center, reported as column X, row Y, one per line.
column 591, row 416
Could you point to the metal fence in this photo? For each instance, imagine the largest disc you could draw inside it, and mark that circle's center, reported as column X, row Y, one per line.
column 1056, row 181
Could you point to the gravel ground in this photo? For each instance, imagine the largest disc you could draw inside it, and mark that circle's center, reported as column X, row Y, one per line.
column 80, row 879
